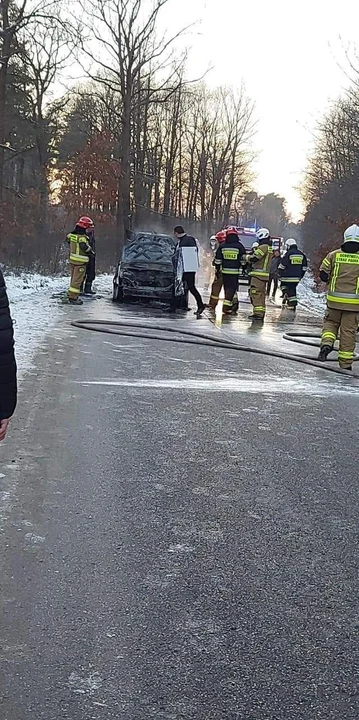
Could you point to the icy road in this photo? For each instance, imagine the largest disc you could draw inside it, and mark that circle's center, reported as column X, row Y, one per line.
column 178, row 530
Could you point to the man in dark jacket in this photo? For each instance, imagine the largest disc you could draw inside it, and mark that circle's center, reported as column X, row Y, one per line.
column 190, row 257
column 273, row 275
column 8, row 383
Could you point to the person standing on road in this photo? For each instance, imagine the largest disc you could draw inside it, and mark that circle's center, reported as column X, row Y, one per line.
column 273, row 275
column 189, row 248
column 86, row 287
column 228, row 261
column 260, row 261
column 340, row 269
column 80, row 253
column 8, row 382
column 291, row 269
column 218, row 280
column 209, row 257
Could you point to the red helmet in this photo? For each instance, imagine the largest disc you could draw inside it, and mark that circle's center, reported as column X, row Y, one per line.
column 85, row 222
column 221, row 236
column 231, row 231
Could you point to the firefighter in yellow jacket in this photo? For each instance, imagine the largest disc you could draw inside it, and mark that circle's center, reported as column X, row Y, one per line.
column 340, row 269
column 260, row 261
column 80, row 253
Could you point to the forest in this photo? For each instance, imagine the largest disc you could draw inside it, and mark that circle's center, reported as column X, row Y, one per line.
column 101, row 116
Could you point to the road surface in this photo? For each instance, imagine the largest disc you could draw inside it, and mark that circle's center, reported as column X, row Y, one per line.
column 178, row 534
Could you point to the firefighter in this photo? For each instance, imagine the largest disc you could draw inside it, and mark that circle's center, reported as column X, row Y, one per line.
column 218, row 281
column 213, row 244
column 340, row 269
column 291, row 269
column 229, row 257
column 208, row 261
column 80, row 253
column 86, row 287
column 260, row 260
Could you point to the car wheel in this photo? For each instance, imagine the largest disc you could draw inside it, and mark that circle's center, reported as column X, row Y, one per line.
column 117, row 293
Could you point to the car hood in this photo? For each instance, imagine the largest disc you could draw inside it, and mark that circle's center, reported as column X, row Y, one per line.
column 148, row 250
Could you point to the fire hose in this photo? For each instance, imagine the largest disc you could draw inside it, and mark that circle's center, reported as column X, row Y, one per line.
column 166, row 333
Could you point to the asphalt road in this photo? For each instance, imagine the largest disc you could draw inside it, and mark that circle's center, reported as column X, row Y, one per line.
column 178, row 535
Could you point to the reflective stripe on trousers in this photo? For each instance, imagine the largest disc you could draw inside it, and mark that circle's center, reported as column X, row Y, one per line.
column 79, row 259
column 328, row 337
column 260, row 274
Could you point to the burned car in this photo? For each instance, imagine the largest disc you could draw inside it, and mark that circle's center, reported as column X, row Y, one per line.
column 146, row 268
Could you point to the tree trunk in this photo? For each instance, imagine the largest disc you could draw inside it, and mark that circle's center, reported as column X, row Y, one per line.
column 123, row 211
column 4, row 64
column 171, row 156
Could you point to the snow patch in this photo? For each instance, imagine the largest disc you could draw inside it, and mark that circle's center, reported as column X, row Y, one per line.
column 34, row 539
column 82, row 685
column 35, row 311
column 180, row 548
column 308, row 298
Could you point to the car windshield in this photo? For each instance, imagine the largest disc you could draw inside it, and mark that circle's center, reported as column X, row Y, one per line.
column 148, row 248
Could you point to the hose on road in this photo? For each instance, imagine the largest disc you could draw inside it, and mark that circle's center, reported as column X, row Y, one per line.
column 137, row 330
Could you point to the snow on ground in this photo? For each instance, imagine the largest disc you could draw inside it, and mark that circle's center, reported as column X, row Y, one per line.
column 314, row 302
column 34, row 310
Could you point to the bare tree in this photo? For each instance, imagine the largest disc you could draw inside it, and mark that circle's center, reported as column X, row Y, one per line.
column 128, row 55
column 331, row 184
column 47, row 47
column 12, row 19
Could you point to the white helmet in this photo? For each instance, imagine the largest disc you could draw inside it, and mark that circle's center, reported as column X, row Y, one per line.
column 213, row 237
column 291, row 243
column 255, row 245
column 352, row 234
column 263, row 234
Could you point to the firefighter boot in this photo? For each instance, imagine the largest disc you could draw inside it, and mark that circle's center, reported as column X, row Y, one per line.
column 78, row 301
column 235, row 304
column 324, row 352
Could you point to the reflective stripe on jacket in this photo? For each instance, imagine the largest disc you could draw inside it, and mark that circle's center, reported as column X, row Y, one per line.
column 262, row 257
column 80, row 249
column 229, row 257
column 292, row 266
column 343, row 271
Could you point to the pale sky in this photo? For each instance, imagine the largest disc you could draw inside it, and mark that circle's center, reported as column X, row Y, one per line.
column 288, row 55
